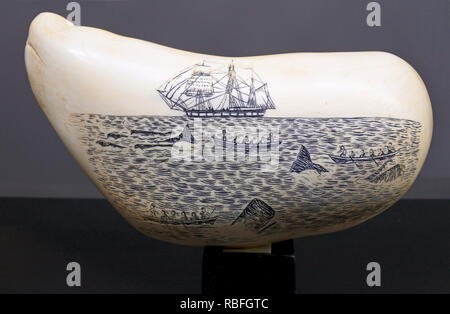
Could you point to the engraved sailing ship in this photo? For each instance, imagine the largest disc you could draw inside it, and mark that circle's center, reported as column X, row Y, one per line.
column 204, row 91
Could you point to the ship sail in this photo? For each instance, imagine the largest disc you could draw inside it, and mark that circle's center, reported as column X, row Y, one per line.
column 200, row 83
column 263, row 97
column 225, row 90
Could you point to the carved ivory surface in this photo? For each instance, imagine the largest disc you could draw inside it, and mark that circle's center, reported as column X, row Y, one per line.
column 211, row 150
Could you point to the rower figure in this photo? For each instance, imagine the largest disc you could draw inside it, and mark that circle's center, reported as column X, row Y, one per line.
column 203, row 213
column 389, row 147
column 164, row 217
column 194, row 216
column 363, row 154
column 152, row 210
column 342, row 151
column 372, row 153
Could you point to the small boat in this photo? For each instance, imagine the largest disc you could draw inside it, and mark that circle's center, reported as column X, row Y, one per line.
column 171, row 221
column 348, row 159
column 247, row 146
column 162, row 217
column 145, row 146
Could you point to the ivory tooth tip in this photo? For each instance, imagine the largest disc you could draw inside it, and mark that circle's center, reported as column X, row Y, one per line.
column 52, row 18
column 47, row 23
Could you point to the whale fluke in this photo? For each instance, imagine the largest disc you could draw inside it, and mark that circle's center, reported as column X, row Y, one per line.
column 304, row 162
column 256, row 214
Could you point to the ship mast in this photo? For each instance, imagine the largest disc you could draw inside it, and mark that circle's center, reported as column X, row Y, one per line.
column 199, row 86
column 252, row 97
column 201, row 102
column 232, row 84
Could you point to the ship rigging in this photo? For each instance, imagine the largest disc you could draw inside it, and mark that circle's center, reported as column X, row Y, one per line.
column 203, row 91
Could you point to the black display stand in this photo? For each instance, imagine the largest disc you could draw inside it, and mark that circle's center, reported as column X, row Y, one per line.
column 249, row 273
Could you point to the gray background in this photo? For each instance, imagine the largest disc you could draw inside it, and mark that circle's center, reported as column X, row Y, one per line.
column 34, row 162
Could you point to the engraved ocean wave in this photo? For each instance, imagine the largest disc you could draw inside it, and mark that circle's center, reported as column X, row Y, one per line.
column 147, row 176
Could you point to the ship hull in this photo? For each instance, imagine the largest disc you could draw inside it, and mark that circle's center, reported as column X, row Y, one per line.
column 257, row 113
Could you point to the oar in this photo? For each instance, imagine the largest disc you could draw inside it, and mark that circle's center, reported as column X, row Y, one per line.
column 374, row 160
column 351, row 158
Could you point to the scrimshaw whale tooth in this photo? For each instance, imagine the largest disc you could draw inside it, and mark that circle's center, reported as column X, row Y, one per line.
column 239, row 152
